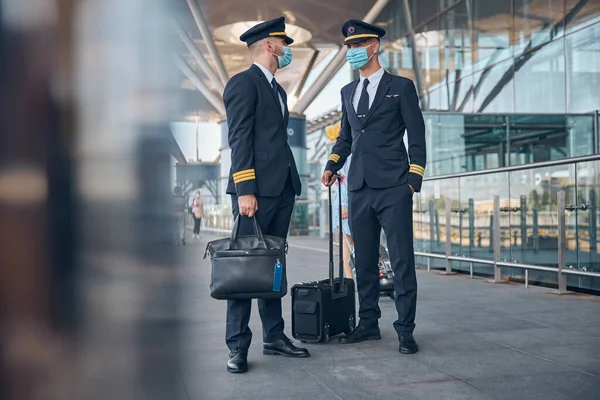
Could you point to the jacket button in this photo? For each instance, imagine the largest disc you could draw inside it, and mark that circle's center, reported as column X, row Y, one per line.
column 363, row 131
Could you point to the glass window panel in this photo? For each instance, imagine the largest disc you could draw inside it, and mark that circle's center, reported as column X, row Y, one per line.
column 534, row 226
column 464, row 101
column 485, row 141
column 459, row 142
column 493, row 88
column 456, row 43
column 538, row 138
column 535, row 22
column 492, row 32
column 445, row 144
column 587, row 233
column 581, row 135
column 427, row 41
column 434, row 99
column 432, row 232
column 540, row 85
column 583, row 70
column 455, row 95
column 474, row 218
column 581, row 13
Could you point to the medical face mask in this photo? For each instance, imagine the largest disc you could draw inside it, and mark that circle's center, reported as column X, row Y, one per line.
column 358, row 57
column 286, row 58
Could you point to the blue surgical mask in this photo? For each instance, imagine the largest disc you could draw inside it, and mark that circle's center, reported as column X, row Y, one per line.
column 286, row 58
column 358, row 57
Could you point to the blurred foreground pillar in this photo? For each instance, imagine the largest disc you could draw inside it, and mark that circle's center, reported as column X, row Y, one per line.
column 88, row 289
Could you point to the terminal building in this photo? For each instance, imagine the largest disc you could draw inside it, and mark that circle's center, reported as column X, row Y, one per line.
column 509, row 92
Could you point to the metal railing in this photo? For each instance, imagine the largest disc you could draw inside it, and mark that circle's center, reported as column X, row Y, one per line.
column 497, row 263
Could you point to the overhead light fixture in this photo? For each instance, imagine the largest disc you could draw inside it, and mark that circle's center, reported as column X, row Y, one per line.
column 231, row 33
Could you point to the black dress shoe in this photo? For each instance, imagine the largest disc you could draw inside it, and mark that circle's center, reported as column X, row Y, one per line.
column 284, row 347
column 360, row 334
column 238, row 361
column 408, row 344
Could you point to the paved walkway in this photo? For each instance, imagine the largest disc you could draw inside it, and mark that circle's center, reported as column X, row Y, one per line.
column 478, row 341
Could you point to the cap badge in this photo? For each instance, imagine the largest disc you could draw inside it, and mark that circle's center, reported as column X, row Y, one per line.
column 351, row 30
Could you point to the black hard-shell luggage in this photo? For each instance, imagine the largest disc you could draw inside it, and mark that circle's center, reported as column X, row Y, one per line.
column 323, row 309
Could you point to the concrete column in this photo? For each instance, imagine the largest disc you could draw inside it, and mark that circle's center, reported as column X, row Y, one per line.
column 297, row 141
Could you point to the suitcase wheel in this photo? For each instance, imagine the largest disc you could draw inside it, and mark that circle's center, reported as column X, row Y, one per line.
column 350, row 325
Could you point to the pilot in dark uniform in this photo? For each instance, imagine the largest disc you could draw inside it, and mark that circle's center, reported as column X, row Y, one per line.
column 263, row 181
column 376, row 111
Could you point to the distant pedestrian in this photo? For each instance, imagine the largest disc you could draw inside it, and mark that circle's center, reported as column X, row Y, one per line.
column 197, row 213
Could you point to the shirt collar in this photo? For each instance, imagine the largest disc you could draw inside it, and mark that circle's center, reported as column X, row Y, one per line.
column 374, row 78
column 265, row 71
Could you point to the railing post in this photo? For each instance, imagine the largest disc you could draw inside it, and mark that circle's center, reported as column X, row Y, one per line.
column 448, row 270
column 562, row 232
column 496, row 241
column 471, row 225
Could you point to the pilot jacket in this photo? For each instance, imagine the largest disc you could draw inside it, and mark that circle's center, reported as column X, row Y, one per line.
column 379, row 192
column 261, row 164
column 261, row 158
column 379, row 156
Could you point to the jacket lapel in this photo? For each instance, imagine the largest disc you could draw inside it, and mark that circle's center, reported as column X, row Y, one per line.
column 350, row 100
column 382, row 89
column 269, row 87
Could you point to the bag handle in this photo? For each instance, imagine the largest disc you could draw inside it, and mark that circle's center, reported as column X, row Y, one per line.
column 236, row 230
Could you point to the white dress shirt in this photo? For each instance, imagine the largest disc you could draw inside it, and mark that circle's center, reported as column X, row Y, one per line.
column 270, row 77
column 374, row 80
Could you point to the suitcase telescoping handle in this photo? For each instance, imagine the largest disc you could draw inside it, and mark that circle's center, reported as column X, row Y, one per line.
column 341, row 252
column 330, row 241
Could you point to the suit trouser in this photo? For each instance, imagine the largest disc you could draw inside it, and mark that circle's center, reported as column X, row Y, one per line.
column 391, row 208
column 273, row 215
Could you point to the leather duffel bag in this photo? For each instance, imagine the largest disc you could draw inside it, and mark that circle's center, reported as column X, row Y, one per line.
column 248, row 267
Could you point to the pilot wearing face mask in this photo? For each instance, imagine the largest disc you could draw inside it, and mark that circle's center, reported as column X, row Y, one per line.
column 377, row 110
column 263, row 180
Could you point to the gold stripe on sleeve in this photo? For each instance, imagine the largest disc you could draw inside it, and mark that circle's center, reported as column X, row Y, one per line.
column 334, row 157
column 417, row 169
column 245, row 175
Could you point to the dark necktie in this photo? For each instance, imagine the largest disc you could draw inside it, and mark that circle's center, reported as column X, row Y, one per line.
column 363, row 103
column 276, row 92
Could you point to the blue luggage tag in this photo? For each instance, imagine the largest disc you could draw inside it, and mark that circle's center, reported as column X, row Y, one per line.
column 277, row 273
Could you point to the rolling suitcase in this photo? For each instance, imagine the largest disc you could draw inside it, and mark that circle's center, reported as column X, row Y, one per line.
column 323, row 309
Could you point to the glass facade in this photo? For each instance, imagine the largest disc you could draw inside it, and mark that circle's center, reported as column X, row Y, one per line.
column 528, row 220
column 506, row 83
column 473, row 142
column 502, row 56
column 506, row 86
